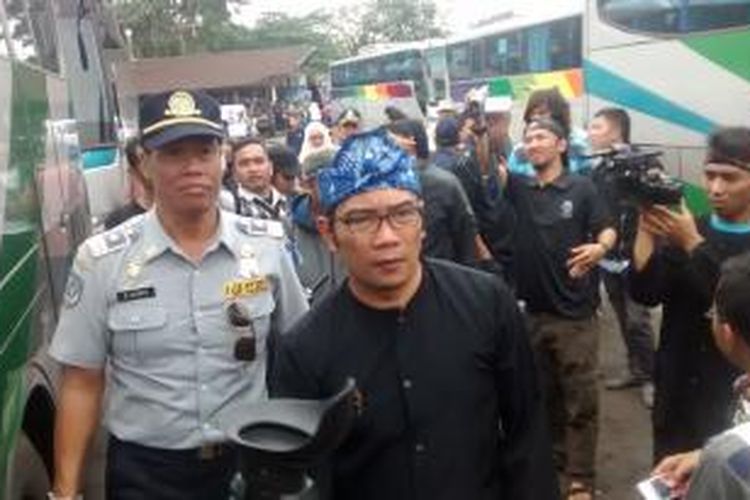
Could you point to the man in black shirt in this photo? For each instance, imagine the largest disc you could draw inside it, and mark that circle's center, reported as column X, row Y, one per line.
column 451, row 404
column 563, row 231
column 610, row 128
column 141, row 192
column 677, row 262
column 450, row 225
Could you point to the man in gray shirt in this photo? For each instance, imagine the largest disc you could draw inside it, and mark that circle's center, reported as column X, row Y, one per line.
column 171, row 312
column 721, row 470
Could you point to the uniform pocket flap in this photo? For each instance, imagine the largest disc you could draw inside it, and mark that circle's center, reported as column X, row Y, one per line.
column 261, row 305
column 136, row 317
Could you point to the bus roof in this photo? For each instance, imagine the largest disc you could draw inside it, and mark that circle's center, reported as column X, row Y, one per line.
column 378, row 50
column 519, row 19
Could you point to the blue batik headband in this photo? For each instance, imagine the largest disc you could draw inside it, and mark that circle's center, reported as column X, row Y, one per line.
column 366, row 162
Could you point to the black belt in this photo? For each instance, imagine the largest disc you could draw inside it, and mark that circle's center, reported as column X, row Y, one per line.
column 211, row 451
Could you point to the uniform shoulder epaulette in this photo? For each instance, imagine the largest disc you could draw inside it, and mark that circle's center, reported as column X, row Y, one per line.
column 115, row 239
column 260, row 227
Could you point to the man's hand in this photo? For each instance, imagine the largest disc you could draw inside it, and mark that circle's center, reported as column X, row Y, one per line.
column 502, row 172
column 677, row 470
column 677, row 226
column 76, row 422
column 584, row 257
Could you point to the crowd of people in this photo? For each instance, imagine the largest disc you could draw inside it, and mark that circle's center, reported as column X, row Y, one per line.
column 459, row 286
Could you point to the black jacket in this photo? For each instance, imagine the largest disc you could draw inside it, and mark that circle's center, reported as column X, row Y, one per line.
column 693, row 379
column 452, row 408
column 449, row 221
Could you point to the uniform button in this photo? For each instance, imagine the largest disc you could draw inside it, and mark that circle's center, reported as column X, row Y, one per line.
column 206, row 426
column 419, row 448
column 406, row 383
column 204, row 387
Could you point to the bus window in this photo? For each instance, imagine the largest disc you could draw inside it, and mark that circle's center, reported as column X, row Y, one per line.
column 476, row 60
column 459, row 64
column 338, row 78
column 565, row 44
column 538, row 49
column 504, row 54
column 43, row 26
column 372, row 71
column 515, row 58
column 20, row 36
column 675, row 17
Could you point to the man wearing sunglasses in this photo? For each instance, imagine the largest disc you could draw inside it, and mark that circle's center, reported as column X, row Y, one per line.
column 450, row 404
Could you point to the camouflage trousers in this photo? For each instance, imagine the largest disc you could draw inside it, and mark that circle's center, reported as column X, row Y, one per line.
column 567, row 357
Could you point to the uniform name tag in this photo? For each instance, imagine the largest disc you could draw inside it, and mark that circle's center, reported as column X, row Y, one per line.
column 245, row 287
column 136, row 294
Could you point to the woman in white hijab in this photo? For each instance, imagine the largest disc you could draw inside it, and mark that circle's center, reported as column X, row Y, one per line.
column 317, row 138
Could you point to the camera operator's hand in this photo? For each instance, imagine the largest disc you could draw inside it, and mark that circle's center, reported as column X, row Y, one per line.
column 677, row 226
column 584, row 257
column 643, row 247
column 502, row 172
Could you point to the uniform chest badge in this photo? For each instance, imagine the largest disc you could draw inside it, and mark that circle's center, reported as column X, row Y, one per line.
column 245, row 287
column 249, row 266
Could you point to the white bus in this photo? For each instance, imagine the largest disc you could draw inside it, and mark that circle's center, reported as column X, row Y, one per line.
column 409, row 76
column 58, row 130
column 681, row 68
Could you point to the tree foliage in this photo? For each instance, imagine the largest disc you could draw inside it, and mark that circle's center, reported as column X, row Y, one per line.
column 158, row 28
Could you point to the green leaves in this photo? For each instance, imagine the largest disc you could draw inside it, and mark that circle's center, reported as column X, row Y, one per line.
column 160, row 28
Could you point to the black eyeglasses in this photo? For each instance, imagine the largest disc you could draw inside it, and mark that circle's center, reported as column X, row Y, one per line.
column 368, row 222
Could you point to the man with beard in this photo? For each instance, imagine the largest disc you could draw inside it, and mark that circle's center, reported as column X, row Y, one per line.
column 563, row 231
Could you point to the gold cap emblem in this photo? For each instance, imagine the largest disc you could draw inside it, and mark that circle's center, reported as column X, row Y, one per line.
column 181, row 104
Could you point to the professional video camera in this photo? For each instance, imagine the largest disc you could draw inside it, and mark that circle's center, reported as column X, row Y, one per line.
column 638, row 177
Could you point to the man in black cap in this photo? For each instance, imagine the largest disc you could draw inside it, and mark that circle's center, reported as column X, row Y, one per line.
column 450, row 226
column 286, row 169
column 170, row 312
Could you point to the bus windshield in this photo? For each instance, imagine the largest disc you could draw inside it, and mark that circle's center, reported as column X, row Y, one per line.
column 675, row 16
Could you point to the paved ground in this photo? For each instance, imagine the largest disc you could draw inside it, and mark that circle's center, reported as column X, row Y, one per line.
column 624, row 452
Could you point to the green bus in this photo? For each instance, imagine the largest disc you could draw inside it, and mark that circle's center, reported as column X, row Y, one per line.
column 58, row 147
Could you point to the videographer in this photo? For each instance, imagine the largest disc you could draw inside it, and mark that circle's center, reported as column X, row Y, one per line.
column 609, row 130
column 676, row 261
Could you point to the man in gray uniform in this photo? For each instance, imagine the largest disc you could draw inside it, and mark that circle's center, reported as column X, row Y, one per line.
column 171, row 312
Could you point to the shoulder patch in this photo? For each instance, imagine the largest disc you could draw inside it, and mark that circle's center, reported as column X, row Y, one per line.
column 113, row 240
column 261, row 227
column 73, row 290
